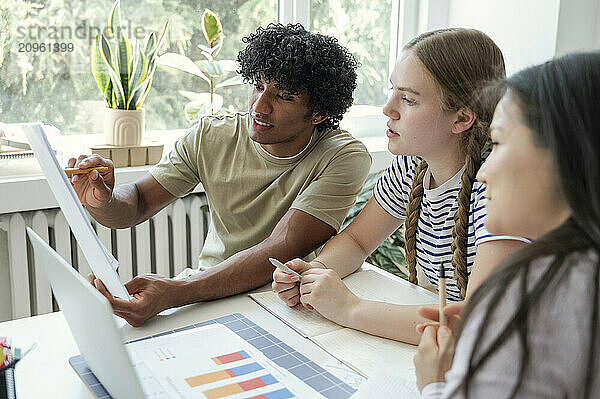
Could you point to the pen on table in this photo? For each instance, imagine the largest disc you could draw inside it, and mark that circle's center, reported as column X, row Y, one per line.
column 77, row 171
column 442, row 291
column 283, row 267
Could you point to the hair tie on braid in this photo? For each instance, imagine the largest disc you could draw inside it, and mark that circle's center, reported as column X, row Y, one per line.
column 412, row 220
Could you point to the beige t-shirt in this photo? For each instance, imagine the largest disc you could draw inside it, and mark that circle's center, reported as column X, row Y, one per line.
column 249, row 190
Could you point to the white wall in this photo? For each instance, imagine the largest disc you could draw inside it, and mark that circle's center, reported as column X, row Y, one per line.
column 578, row 26
column 525, row 30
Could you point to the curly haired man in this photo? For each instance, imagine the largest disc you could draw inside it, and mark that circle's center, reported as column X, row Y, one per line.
column 279, row 178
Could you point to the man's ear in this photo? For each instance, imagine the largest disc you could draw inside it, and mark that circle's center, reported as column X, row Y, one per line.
column 317, row 118
column 463, row 121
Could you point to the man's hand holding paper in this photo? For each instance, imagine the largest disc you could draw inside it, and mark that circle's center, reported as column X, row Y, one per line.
column 151, row 294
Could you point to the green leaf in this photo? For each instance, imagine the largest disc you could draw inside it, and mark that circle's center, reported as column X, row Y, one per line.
column 207, row 49
column 217, row 46
column 233, row 81
column 109, row 95
column 143, row 83
column 118, row 92
column 124, row 65
column 138, row 92
column 161, row 39
column 146, row 89
column 211, row 27
column 182, row 63
column 153, row 45
column 201, row 106
column 114, row 24
column 150, row 44
column 100, row 71
column 212, row 68
column 139, row 72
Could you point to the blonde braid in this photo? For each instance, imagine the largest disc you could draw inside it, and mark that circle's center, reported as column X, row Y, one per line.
column 412, row 220
column 476, row 140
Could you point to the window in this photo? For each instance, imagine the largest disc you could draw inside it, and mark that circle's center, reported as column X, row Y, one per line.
column 45, row 50
column 45, row 47
column 363, row 27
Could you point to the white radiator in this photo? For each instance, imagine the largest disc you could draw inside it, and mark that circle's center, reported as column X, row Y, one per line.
column 166, row 244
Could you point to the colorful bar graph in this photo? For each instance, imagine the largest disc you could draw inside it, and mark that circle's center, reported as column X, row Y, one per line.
column 230, row 357
column 279, row 394
column 222, row 374
column 243, row 386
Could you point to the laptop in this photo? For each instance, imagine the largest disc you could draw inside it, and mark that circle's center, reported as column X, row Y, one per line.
column 90, row 319
column 164, row 365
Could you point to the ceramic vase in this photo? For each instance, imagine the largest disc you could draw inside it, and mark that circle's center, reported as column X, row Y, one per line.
column 124, row 127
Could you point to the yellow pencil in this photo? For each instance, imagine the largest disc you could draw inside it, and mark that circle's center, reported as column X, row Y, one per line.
column 77, row 171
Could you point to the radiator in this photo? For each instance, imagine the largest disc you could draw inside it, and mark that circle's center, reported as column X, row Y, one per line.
column 165, row 244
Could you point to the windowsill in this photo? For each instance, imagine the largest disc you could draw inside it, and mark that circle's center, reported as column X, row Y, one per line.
column 24, row 187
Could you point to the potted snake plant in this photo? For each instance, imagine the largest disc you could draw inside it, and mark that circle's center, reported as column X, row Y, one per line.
column 124, row 75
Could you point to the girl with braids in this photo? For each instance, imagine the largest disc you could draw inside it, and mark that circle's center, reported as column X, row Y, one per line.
column 531, row 329
column 438, row 127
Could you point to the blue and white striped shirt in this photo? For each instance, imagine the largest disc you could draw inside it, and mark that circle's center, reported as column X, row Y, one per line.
column 436, row 220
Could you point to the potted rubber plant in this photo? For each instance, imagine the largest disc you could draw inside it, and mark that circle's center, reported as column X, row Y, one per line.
column 124, row 72
column 214, row 72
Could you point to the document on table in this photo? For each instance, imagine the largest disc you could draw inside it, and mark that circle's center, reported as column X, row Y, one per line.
column 307, row 323
column 385, row 385
column 102, row 263
column 349, row 345
column 210, row 362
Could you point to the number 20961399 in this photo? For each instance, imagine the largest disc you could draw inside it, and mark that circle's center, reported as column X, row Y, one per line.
column 46, row 47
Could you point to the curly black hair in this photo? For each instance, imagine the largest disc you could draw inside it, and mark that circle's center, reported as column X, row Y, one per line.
column 301, row 61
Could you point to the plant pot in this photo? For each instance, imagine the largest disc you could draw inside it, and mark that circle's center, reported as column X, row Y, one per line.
column 124, row 127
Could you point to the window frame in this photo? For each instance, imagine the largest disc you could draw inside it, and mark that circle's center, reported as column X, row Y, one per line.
column 408, row 19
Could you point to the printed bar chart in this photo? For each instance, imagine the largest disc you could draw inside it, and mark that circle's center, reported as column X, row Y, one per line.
column 230, row 357
column 242, row 386
column 279, row 394
column 207, row 378
column 314, row 377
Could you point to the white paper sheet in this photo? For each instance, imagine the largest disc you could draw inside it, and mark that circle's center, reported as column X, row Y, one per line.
column 367, row 284
column 384, row 385
column 184, row 364
column 307, row 323
column 367, row 353
column 102, row 263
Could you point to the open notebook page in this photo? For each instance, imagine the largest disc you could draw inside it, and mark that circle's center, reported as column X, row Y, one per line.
column 367, row 284
column 385, row 385
column 351, row 347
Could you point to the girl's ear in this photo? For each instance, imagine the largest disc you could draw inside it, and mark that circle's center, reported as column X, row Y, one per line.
column 463, row 121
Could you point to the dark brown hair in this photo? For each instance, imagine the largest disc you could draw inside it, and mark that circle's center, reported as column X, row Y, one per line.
column 559, row 103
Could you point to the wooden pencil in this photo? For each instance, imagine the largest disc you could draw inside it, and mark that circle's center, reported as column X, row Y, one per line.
column 77, row 171
column 442, row 291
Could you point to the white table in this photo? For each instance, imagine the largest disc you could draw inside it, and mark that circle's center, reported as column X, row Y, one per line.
column 46, row 373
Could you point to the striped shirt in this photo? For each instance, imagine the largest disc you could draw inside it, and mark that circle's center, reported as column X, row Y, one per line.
column 436, row 220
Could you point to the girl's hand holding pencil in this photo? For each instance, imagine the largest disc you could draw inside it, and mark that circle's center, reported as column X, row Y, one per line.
column 451, row 311
column 436, row 349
